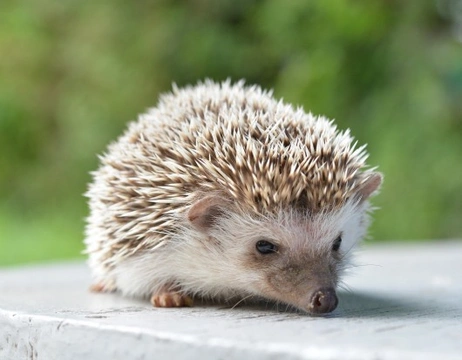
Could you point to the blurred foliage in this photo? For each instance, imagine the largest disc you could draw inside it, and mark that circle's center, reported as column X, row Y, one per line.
column 72, row 73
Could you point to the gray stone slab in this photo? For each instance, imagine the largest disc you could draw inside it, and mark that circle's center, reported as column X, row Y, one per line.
column 404, row 301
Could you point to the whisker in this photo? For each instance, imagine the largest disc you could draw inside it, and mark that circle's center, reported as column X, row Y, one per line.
column 342, row 285
column 243, row 299
column 360, row 265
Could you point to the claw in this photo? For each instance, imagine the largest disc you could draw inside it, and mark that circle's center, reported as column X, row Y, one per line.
column 171, row 299
column 100, row 287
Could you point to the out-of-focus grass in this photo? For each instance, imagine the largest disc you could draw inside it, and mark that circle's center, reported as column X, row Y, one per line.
column 41, row 237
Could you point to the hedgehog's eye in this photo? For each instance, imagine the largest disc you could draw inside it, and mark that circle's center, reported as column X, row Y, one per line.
column 336, row 244
column 265, row 247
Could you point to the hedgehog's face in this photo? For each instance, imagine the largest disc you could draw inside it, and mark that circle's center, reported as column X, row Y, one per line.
column 291, row 257
column 302, row 276
column 301, row 258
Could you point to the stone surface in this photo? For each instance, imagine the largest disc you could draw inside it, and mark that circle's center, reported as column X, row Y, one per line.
column 403, row 301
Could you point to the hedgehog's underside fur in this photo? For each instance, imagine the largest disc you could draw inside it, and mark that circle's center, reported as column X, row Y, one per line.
column 216, row 138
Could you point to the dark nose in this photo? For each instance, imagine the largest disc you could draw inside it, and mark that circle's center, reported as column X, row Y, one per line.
column 323, row 301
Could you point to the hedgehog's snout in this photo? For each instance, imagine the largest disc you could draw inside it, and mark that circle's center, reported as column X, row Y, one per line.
column 323, row 301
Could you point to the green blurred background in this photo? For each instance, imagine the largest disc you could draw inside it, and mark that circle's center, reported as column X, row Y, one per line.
column 73, row 73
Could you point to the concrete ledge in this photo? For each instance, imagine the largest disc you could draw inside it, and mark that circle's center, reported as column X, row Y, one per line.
column 403, row 302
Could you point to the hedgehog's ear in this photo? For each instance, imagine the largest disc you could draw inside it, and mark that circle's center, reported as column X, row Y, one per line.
column 369, row 186
column 203, row 213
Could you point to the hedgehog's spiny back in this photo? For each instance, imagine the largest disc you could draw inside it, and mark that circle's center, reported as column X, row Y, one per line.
column 262, row 152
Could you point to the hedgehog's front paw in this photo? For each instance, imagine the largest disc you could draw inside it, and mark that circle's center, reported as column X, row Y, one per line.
column 171, row 299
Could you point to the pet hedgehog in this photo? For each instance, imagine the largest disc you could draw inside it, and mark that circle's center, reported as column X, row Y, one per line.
column 223, row 192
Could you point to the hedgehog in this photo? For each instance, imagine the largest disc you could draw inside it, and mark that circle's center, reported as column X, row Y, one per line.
column 222, row 192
